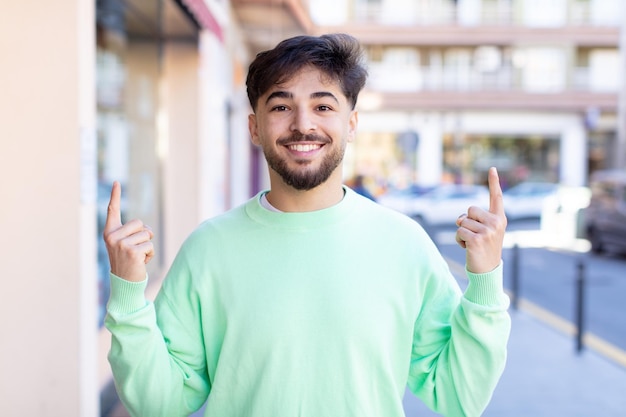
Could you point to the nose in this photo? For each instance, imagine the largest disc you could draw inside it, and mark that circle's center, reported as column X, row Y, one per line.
column 303, row 121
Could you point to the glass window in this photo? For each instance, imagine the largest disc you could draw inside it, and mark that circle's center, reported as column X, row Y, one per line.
column 130, row 38
column 543, row 68
column 545, row 13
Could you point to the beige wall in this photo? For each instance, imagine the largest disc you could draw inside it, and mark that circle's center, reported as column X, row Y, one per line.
column 47, row 224
column 179, row 145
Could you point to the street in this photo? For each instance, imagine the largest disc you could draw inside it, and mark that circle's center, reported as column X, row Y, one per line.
column 547, row 278
column 544, row 375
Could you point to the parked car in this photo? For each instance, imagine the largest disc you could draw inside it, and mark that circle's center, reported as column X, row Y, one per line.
column 605, row 218
column 527, row 199
column 444, row 204
column 402, row 199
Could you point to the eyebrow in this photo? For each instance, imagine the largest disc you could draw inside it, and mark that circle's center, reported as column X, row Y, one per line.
column 288, row 95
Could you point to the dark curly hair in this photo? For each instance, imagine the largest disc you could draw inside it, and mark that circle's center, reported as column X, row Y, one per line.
column 338, row 55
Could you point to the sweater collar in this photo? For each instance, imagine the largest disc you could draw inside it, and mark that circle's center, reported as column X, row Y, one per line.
column 301, row 220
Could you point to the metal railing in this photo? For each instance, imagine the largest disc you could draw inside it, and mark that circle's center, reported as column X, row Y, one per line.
column 392, row 78
column 504, row 13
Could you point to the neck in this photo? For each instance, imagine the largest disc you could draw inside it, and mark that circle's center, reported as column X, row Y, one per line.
column 288, row 199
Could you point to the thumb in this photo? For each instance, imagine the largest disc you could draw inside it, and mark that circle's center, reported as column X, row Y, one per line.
column 114, row 216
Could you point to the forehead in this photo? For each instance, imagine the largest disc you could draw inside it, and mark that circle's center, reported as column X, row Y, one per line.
column 308, row 78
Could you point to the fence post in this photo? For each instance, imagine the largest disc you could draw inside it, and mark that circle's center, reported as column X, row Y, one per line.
column 580, row 305
column 515, row 277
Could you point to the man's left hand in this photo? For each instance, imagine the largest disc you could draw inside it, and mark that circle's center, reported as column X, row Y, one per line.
column 481, row 232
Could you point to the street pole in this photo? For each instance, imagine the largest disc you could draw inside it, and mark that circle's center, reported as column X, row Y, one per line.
column 620, row 154
column 580, row 306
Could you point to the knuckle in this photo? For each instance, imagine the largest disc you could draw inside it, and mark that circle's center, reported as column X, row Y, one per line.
column 125, row 247
column 108, row 238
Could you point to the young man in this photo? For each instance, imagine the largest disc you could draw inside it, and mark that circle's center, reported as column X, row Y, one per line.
column 309, row 299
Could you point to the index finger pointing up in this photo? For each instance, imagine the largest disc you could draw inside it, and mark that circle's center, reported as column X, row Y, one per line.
column 495, row 192
column 114, row 216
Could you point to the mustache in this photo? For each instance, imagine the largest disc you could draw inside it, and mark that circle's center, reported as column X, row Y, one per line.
column 300, row 137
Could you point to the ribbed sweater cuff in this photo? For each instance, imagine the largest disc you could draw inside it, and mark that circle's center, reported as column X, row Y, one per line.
column 126, row 296
column 486, row 289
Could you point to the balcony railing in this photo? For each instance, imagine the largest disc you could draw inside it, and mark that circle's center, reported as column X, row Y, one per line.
column 431, row 12
column 394, row 78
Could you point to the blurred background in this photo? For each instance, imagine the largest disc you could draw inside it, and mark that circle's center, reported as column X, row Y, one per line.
column 151, row 93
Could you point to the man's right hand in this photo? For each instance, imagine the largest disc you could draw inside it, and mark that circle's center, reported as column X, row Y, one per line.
column 129, row 245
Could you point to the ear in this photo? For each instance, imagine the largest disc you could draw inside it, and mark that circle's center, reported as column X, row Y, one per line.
column 353, row 122
column 253, row 129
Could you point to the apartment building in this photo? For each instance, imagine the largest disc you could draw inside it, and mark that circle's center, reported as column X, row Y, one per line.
column 530, row 86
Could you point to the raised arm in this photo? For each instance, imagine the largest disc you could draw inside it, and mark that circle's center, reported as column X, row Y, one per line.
column 158, row 363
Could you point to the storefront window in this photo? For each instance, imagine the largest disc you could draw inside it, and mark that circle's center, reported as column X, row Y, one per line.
column 130, row 37
column 530, row 158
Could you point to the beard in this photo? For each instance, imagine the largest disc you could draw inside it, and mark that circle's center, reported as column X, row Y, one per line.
column 304, row 177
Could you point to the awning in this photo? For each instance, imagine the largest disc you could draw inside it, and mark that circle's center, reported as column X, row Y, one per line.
column 204, row 17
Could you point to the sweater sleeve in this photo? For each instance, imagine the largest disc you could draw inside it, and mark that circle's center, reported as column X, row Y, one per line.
column 459, row 348
column 152, row 376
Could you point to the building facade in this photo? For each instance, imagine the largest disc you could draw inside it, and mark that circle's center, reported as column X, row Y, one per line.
column 529, row 86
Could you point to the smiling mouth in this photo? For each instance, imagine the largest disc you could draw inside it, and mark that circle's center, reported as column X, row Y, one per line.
column 304, row 147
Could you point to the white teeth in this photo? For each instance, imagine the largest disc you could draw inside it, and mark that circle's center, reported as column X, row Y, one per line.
column 304, row 147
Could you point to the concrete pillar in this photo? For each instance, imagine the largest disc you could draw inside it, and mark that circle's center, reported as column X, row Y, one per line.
column 241, row 150
column 430, row 151
column 573, row 158
column 48, row 302
column 214, row 89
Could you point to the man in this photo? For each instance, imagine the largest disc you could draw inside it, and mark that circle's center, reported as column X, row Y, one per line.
column 309, row 299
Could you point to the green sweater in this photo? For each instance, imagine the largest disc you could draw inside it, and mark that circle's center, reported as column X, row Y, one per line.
column 324, row 313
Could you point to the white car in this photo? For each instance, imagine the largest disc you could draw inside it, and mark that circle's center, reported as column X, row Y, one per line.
column 527, row 199
column 402, row 199
column 444, row 204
